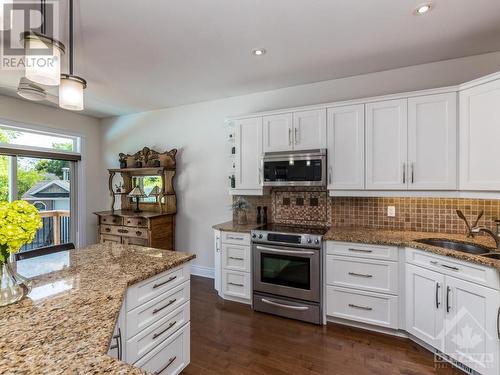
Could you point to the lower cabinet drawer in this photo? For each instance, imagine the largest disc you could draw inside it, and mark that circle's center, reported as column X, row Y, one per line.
column 135, row 241
column 108, row 238
column 155, row 310
column 236, row 257
column 152, row 336
column 367, row 274
column 366, row 307
column 140, row 293
column 170, row 357
column 236, row 284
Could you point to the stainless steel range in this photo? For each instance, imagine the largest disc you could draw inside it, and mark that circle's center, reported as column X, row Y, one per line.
column 288, row 271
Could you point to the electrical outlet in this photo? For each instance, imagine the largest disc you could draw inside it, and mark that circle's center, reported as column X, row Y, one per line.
column 391, row 211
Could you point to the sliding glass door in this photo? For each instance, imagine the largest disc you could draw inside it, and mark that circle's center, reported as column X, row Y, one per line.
column 46, row 179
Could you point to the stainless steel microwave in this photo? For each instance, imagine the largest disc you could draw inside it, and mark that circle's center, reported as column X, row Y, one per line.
column 294, row 168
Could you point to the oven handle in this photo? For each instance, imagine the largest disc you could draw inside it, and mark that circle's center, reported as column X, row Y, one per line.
column 294, row 252
column 297, row 308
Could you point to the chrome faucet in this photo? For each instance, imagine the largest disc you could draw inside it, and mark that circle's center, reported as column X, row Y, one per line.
column 495, row 236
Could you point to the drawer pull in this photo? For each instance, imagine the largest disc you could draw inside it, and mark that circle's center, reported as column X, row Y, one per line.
column 450, row 267
column 498, row 323
column 360, row 274
column 156, row 335
column 165, row 282
column 138, row 233
column 236, row 258
column 172, row 301
column 170, row 361
column 437, row 295
column 235, row 284
column 107, row 230
column 235, row 238
column 360, row 307
column 433, row 262
column 448, row 290
column 361, row 250
column 122, row 231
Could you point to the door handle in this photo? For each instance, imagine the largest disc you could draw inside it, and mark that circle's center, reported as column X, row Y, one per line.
column 448, row 290
column 437, row 295
column 296, row 308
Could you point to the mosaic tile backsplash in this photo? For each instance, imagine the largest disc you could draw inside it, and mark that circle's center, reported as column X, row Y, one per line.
column 314, row 207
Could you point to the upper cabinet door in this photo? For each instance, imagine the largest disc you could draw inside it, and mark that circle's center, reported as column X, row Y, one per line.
column 386, row 145
column 480, row 137
column 432, row 142
column 346, row 148
column 248, row 153
column 309, row 130
column 278, row 133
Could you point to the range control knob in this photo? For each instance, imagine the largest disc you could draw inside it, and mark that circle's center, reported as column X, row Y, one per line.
column 316, row 241
column 309, row 240
column 254, row 235
column 260, row 236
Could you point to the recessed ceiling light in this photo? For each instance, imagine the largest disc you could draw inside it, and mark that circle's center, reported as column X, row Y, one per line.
column 258, row 52
column 423, row 9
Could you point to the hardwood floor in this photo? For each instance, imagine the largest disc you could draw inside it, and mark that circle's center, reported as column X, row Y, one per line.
column 229, row 338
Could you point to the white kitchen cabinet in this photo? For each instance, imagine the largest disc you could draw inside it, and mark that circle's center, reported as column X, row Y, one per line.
column 386, row 145
column 309, row 130
column 472, row 332
column 346, row 148
column 248, row 134
column 479, row 137
column 424, row 305
column 432, row 142
column 278, row 132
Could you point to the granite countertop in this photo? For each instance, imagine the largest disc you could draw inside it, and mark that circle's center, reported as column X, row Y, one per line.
column 65, row 324
column 391, row 238
column 231, row 226
column 407, row 239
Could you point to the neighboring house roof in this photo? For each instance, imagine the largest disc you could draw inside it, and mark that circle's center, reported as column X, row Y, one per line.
column 48, row 190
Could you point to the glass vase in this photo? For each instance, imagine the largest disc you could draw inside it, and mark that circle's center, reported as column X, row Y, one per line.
column 13, row 287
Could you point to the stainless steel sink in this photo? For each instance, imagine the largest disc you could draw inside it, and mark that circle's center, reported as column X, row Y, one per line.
column 469, row 248
column 492, row 255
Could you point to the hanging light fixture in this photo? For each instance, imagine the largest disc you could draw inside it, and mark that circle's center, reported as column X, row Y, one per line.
column 42, row 55
column 72, row 86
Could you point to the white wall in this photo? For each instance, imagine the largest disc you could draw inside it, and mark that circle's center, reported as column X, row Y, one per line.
column 43, row 117
column 198, row 131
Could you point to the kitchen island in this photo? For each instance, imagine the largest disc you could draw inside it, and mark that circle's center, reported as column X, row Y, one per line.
column 66, row 323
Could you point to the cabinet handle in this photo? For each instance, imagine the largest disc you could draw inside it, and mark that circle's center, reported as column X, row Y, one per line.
column 330, row 175
column 360, row 307
column 235, row 258
column 235, row 284
column 138, row 233
column 172, row 301
column 412, row 173
column 289, row 136
column 498, row 323
column 107, row 230
column 170, row 361
column 122, row 231
column 165, row 282
column 450, row 267
column 359, row 274
column 437, row 295
column 404, row 173
column 156, row 335
column 235, row 238
column 296, row 135
column 260, row 176
column 361, row 250
column 434, row 262
column 448, row 290
column 118, row 345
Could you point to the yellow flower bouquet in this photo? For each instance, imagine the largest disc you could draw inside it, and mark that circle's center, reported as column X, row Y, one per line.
column 19, row 222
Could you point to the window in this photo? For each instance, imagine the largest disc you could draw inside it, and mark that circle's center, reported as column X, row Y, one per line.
column 40, row 169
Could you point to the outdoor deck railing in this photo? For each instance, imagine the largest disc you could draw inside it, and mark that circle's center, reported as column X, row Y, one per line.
column 55, row 230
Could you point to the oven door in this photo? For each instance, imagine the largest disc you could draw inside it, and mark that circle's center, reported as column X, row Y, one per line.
column 287, row 271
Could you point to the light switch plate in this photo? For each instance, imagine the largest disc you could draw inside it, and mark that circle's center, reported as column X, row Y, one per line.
column 391, row 211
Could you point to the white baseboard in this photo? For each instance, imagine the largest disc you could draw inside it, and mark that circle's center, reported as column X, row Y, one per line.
column 202, row 271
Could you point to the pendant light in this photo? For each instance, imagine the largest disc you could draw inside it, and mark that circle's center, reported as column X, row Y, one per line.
column 72, row 86
column 42, row 67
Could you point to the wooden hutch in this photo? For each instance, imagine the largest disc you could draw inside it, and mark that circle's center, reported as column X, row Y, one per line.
column 154, row 225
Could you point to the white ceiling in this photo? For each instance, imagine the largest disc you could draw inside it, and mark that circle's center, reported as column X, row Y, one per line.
column 148, row 54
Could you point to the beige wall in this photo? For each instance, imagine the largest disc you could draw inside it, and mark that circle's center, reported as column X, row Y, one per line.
column 43, row 117
column 198, row 131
